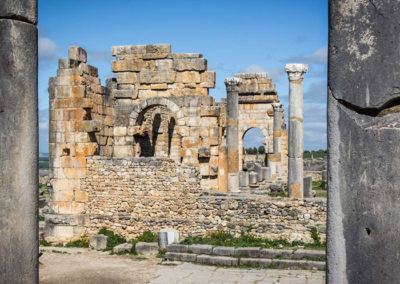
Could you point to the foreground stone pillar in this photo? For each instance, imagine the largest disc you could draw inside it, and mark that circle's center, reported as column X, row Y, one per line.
column 232, row 132
column 223, row 168
column 363, row 243
column 295, row 172
column 18, row 142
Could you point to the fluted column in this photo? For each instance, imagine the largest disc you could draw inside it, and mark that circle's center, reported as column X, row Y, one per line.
column 232, row 132
column 295, row 173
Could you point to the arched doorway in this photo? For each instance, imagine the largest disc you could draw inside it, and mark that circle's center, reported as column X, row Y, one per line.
column 253, row 148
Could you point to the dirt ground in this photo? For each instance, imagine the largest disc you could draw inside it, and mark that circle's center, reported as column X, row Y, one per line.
column 74, row 265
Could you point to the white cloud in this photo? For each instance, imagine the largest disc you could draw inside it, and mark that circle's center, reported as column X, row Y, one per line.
column 320, row 56
column 99, row 55
column 316, row 92
column 44, row 125
column 47, row 49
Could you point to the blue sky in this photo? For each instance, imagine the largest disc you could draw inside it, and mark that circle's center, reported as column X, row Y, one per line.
column 234, row 36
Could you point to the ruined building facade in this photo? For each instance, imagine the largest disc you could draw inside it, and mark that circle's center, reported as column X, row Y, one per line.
column 140, row 152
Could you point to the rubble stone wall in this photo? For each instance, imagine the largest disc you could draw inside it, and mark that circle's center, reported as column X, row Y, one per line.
column 130, row 196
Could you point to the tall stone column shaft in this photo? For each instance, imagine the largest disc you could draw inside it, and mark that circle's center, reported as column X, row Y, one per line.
column 232, row 131
column 277, row 127
column 363, row 244
column 295, row 171
column 18, row 142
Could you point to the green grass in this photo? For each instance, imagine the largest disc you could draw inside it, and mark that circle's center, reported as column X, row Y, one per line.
column 319, row 187
column 41, row 218
column 44, row 243
column 113, row 239
column 221, row 238
column 43, row 163
column 161, row 253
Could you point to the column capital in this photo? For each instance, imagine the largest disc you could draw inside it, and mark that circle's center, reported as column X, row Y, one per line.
column 277, row 106
column 296, row 71
column 232, row 84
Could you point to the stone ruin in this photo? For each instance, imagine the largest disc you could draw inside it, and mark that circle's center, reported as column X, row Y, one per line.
column 152, row 143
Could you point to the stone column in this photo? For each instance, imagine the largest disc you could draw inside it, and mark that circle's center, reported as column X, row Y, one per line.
column 277, row 126
column 295, row 172
column 18, row 142
column 232, row 131
column 223, row 168
column 363, row 244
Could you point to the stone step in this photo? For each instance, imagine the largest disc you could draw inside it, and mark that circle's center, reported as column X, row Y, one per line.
column 253, row 262
column 253, row 252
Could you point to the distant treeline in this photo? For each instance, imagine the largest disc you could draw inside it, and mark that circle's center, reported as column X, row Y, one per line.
column 43, row 163
column 254, row 150
column 316, row 154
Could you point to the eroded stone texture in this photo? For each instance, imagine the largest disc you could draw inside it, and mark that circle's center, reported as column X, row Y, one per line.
column 363, row 142
column 18, row 143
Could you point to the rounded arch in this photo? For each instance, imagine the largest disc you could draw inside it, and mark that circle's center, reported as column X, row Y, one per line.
column 155, row 101
column 256, row 137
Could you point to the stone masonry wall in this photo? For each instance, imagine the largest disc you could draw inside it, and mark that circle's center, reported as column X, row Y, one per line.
column 130, row 196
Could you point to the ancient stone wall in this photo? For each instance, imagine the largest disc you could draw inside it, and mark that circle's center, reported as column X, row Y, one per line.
column 131, row 196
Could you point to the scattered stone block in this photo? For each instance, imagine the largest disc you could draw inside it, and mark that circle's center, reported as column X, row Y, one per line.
column 146, row 248
column 223, row 260
column 253, row 177
column 272, row 253
column 172, row 235
column 307, row 186
column 243, row 179
column 126, row 247
column 98, row 242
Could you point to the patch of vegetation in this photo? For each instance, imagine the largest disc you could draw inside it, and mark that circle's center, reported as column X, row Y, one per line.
column 283, row 193
column 59, row 245
column 43, row 163
column 57, row 251
column 113, row 239
column 319, row 187
column 82, row 243
column 222, row 238
column 146, row 236
column 44, row 243
column 279, row 256
column 41, row 218
column 161, row 253
column 315, row 235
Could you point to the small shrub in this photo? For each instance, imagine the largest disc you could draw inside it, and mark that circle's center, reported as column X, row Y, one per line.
column 113, row 239
column 315, row 235
column 59, row 245
column 44, row 243
column 147, row 237
column 41, row 218
column 161, row 253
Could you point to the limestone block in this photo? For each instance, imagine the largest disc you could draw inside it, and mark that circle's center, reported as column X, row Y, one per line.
column 66, row 184
column 208, row 79
column 214, row 150
column 127, row 78
column 210, row 111
column 126, row 93
column 243, row 179
column 126, row 247
column 80, row 196
column 209, row 121
column 177, row 248
column 123, row 151
column 162, row 86
column 70, row 162
column 120, row 131
column 190, row 64
column 163, row 76
column 248, row 251
column 146, row 248
column 69, row 72
column 70, row 80
column 189, row 257
column 23, row 10
column 307, row 186
column 214, row 132
column 77, row 53
column 189, row 142
column 201, row 249
column 89, row 69
column 253, row 177
column 163, row 64
column 204, row 131
column 186, row 55
column 172, row 235
column 204, row 169
column 98, row 242
column 65, row 63
column 188, row 77
column 204, row 152
column 70, row 91
column 127, row 65
column 62, row 195
column 194, row 131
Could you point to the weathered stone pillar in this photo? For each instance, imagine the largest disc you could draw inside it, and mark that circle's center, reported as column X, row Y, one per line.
column 363, row 244
column 295, row 172
column 277, row 130
column 232, row 132
column 223, row 168
column 18, row 142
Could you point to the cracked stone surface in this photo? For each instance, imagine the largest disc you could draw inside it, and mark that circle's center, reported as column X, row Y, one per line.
column 74, row 265
column 363, row 142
